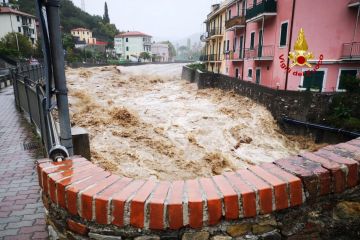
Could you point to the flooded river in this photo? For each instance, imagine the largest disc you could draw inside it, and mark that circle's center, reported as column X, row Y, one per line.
column 144, row 121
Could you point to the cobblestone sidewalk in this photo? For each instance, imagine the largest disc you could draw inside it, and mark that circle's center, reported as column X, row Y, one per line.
column 21, row 209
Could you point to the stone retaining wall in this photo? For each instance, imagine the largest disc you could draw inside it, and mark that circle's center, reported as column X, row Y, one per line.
column 311, row 196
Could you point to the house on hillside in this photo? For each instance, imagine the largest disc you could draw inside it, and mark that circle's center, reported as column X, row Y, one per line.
column 251, row 40
column 13, row 20
column 130, row 45
column 160, row 52
column 84, row 36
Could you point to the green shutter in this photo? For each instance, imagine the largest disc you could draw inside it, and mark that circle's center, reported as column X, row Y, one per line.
column 283, row 35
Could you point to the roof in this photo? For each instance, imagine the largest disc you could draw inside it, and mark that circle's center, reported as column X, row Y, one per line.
column 80, row 29
column 132, row 34
column 7, row 10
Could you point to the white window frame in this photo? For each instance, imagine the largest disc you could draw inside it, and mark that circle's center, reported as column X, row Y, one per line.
column 325, row 70
column 287, row 34
column 339, row 74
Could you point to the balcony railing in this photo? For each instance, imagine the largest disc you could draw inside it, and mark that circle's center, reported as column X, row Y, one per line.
column 234, row 21
column 260, row 52
column 204, row 58
column 215, row 32
column 214, row 57
column 351, row 50
column 264, row 6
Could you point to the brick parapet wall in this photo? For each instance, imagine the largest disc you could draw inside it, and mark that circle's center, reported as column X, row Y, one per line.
column 90, row 195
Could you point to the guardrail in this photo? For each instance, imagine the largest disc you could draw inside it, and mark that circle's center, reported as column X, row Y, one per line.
column 264, row 6
column 30, row 98
column 351, row 50
column 5, row 80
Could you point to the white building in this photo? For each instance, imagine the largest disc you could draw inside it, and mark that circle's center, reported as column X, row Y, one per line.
column 130, row 45
column 13, row 20
column 160, row 52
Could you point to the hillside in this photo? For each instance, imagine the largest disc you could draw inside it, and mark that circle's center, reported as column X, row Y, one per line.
column 73, row 17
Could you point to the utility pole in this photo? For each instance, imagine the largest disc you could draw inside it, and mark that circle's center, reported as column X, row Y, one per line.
column 57, row 55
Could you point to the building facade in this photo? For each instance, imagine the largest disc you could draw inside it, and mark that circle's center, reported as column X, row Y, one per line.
column 83, row 35
column 13, row 20
column 160, row 52
column 260, row 34
column 130, row 45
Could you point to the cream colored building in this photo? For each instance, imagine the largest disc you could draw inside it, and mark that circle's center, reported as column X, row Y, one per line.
column 84, row 34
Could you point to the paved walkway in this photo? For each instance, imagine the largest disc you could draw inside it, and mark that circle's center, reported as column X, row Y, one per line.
column 21, row 208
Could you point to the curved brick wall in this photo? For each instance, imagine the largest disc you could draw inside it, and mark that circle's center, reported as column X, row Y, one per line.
column 88, row 193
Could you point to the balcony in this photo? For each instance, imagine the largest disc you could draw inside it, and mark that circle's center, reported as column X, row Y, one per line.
column 262, row 8
column 260, row 53
column 214, row 58
column 204, row 58
column 234, row 56
column 351, row 51
column 354, row 3
column 215, row 32
column 235, row 21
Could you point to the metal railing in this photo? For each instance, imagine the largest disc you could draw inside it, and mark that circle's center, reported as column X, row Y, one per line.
column 30, row 98
column 214, row 57
column 215, row 32
column 264, row 6
column 260, row 52
column 351, row 50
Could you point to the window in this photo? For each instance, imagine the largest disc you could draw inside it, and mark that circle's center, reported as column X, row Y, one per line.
column 228, row 45
column 237, row 72
column 283, row 34
column 229, row 14
column 345, row 74
column 250, row 73
column 252, row 40
column 19, row 29
column 18, row 18
column 224, row 46
column 127, row 39
column 127, row 48
column 235, row 42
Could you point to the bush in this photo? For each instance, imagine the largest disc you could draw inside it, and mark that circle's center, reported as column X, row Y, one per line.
column 351, row 84
column 197, row 66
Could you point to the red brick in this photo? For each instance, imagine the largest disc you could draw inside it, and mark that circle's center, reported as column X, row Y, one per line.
column 280, row 192
column 57, row 185
column 248, row 195
column 73, row 191
column 317, row 180
column 87, row 196
column 119, row 200
column 195, row 203
column 231, row 200
column 213, row 200
column 103, row 199
column 137, row 212
column 156, row 205
column 175, row 205
column 264, row 190
column 338, row 174
column 50, row 180
column 353, row 166
column 78, row 228
column 294, row 183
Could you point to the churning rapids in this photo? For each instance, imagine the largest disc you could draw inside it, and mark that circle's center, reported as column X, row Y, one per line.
column 144, row 121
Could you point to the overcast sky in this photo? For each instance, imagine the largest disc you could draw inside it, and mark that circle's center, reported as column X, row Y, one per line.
column 163, row 19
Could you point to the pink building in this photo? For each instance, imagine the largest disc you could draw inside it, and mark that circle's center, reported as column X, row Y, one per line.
column 260, row 34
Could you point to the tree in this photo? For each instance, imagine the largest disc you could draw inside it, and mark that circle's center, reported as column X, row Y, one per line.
column 68, row 41
column 145, row 55
column 106, row 17
column 9, row 45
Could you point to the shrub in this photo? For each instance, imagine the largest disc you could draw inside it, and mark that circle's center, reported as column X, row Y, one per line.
column 197, row 66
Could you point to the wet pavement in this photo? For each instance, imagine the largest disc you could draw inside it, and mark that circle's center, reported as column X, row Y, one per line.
column 22, row 215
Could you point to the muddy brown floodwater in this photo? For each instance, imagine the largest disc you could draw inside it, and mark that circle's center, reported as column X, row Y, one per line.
column 144, row 121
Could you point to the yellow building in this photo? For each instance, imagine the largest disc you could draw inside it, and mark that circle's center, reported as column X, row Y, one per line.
column 84, row 35
column 214, row 37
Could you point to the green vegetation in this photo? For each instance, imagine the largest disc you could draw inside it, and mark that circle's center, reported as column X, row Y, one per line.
column 145, row 56
column 345, row 108
column 9, row 46
column 106, row 17
column 197, row 66
column 73, row 17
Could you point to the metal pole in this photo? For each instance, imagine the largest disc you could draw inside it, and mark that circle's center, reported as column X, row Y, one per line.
column 57, row 54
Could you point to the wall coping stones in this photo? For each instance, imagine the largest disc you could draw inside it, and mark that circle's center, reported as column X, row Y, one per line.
column 90, row 193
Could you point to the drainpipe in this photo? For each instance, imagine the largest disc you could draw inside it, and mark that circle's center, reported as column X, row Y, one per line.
column 355, row 30
column 290, row 42
column 57, row 54
column 243, row 50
